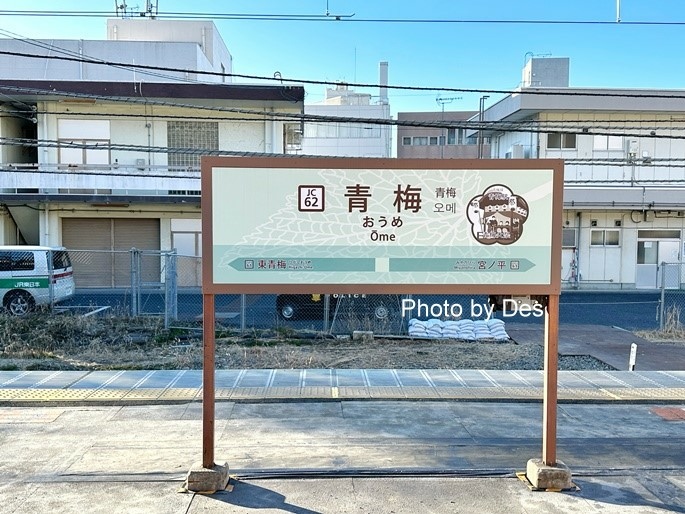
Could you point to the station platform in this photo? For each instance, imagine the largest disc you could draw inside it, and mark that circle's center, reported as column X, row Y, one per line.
column 19, row 388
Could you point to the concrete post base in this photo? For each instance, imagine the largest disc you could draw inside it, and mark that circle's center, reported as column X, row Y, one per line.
column 541, row 476
column 207, row 480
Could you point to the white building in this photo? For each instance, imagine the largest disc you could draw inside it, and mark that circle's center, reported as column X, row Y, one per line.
column 347, row 138
column 624, row 184
column 178, row 44
column 94, row 159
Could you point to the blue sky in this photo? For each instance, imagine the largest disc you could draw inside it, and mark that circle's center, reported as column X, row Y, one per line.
column 459, row 55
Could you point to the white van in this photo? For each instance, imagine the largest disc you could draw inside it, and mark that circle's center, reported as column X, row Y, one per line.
column 33, row 276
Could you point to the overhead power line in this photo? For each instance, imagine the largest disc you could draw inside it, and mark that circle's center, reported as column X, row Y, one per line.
column 331, row 18
column 526, row 91
column 260, row 115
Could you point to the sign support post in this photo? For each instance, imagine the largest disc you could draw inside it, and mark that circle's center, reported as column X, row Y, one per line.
column 549, row 419
column 549, row 473
column 207, row 476
column 208, row 372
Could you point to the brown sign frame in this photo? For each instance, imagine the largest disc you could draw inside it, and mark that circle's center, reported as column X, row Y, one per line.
column 551, row 290
column 209, row 163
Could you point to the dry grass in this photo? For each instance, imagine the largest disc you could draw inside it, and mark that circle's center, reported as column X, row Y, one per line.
column 673, row 331
column 73, row 342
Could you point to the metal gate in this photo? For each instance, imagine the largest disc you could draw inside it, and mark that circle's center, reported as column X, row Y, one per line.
column 154, row 295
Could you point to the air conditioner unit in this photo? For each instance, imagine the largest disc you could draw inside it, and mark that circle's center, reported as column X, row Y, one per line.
column 140, row 164
column 517, row 152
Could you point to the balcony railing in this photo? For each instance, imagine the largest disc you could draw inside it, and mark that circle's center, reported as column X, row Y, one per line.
column 134, row 179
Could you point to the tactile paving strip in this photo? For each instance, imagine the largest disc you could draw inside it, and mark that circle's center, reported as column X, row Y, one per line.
column 180, row 394
column 143, row 394
column 582, row 394
column 645, row 393
column 8, row 394
column 69, row 395
column 420, row 392
column 283, row 392
column 455, row 393
column 350, row 392
column 316, row 392
column 106, row 394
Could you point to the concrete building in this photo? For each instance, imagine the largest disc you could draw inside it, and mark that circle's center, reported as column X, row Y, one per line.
column 439, row 142
column 94, row 159
column 624, row 184
column 345, row 138
column 178, row 44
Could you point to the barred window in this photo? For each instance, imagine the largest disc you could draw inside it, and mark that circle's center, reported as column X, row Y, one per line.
column 195, row 135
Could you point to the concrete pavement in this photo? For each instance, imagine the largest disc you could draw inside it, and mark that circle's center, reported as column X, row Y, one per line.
column 341, row 456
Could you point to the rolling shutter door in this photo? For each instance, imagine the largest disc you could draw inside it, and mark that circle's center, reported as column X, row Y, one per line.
column 142, row 234
column 105, row 260
column 91, row 268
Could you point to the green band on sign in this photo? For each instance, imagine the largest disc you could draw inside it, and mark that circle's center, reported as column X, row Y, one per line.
column 507, row 265
column 302, row 264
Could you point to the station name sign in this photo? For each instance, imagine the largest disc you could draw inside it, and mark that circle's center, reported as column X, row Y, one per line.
column 381, row 225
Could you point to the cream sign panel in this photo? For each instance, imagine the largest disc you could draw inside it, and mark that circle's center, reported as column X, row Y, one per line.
column 381, row 226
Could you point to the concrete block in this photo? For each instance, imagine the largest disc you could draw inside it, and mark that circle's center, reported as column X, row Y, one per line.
column 541, row 476
column 207, row 480
column 365, row 336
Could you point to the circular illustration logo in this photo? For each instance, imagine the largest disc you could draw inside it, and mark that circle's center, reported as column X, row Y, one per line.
column 497, row 216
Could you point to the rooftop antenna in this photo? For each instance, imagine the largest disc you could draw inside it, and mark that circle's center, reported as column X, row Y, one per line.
column 441, row 100
column 120, row 7
column 337, row 17
column 149, row 7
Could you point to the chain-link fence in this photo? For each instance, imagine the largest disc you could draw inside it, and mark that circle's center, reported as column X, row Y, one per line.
column 164, row 284
column 167, row 286
column 672, row 305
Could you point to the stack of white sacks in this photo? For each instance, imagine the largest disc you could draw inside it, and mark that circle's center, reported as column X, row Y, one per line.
column 466, row 329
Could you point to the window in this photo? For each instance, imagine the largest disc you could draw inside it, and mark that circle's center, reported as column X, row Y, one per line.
column 604, row 238
column 292, row 137
column 60, row 259
column 191, row 135
column 604, row 143
column 451, row 136
column 406, row 141
column 420, row 141
column 16, row 261
column 343, row 130
column 658, row 234
column 568, row 238
column 441, row 140
column 83, row 141
column 433, row 140
column 559, row 140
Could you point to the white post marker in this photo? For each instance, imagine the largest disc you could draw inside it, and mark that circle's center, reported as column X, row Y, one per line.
column 633, row 357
